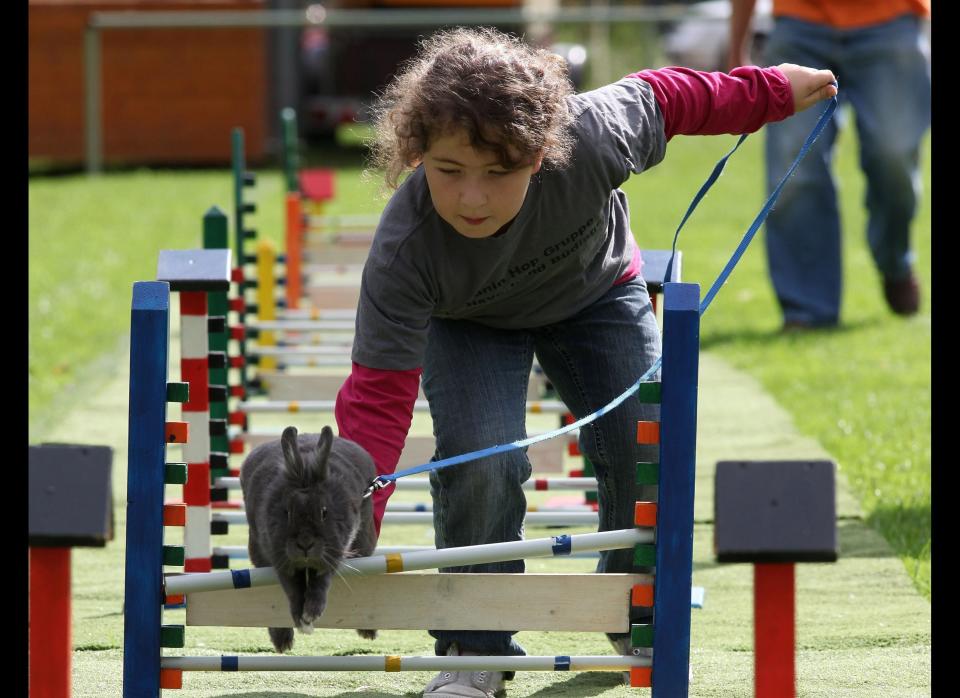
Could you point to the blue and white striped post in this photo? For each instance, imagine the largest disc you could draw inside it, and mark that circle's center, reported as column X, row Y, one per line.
column 674, row 546
column 146, row 454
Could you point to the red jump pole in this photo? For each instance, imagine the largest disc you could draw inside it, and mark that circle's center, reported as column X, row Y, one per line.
column 294, row 228
column 50, row 633
column 773, row 622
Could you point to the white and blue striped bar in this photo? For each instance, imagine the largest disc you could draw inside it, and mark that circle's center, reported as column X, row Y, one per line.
column 239, row 552
column 421, row 484
column 558, row 546
column 534, row 406
column 559, row 517
column 420, row 507
column 397, row 663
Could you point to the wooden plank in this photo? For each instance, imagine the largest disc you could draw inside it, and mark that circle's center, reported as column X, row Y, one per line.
column 416, row 601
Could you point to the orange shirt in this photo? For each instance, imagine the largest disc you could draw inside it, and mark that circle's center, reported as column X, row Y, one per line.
column 849, row 14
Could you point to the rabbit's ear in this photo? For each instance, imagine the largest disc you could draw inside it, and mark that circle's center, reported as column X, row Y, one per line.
column 291, row 453
column 323, row 454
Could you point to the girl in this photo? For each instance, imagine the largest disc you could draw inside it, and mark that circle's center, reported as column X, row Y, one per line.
column 510, row 237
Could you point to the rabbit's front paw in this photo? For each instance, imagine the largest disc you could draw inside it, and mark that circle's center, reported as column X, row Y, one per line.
column 282, row 639
column 367, row 634
column 313, row 608
column 305, row 626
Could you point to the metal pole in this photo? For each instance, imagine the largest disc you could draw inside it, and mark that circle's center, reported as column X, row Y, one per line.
column 92, row 97
column 397, row 663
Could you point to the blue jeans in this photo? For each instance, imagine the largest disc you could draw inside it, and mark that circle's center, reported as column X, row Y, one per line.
column 475, row 379
column 884, row 72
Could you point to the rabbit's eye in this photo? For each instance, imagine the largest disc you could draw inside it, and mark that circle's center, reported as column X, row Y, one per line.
column 323, row 513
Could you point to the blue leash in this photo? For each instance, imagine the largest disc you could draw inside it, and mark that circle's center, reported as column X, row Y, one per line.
column 382, row 481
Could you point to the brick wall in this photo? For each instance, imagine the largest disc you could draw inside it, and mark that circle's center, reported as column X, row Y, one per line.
column 170, row 96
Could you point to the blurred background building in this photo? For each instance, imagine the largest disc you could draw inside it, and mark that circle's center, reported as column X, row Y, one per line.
column 169, row 96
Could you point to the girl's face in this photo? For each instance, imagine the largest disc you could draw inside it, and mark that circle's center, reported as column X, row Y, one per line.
column 470, row 189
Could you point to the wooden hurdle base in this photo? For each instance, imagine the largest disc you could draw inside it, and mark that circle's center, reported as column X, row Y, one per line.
column 437, row 601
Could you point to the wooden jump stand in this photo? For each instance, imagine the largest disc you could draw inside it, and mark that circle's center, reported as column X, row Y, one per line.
column 71, row 505
column 664, row 532
column 774, row 514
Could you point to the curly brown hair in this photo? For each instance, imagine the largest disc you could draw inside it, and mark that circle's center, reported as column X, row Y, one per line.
column 509, row 98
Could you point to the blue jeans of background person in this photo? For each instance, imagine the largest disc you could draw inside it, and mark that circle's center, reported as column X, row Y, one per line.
column 475, row 379
column 883, row 71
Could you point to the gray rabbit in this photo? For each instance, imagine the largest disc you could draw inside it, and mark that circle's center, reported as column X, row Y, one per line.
column 306, row 513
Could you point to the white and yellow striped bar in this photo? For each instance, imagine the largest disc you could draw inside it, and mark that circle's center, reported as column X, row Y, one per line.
column 556, row 546
column 277, row 406
column 398, row 663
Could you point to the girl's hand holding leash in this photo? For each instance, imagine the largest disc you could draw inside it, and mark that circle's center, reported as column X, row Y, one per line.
column 809, row 85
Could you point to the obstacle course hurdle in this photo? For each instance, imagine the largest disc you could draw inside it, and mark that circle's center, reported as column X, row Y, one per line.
column 70, row 504
column 774, row 514
column 669, row 520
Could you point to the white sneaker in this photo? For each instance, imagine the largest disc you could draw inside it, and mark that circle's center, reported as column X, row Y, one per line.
column 465, row 684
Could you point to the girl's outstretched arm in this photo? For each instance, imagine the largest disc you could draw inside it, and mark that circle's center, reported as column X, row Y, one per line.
column 694, row 102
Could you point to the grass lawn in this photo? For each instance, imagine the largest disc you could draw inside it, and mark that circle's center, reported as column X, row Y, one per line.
column 862, row 392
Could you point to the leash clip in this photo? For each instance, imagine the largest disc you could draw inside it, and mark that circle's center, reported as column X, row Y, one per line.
column 376, row 484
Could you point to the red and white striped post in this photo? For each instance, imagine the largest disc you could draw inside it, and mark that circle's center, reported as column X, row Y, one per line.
column 194, row 369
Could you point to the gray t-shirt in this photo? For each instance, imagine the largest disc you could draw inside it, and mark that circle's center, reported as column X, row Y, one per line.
column 569, row 243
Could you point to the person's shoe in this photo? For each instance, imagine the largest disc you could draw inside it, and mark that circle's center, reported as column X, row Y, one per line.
column 465, row 684
column 902, row 295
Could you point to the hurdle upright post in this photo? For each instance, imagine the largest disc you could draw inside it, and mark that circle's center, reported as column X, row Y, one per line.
column 193, row 274
column 674, row 543
column 146, row 458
